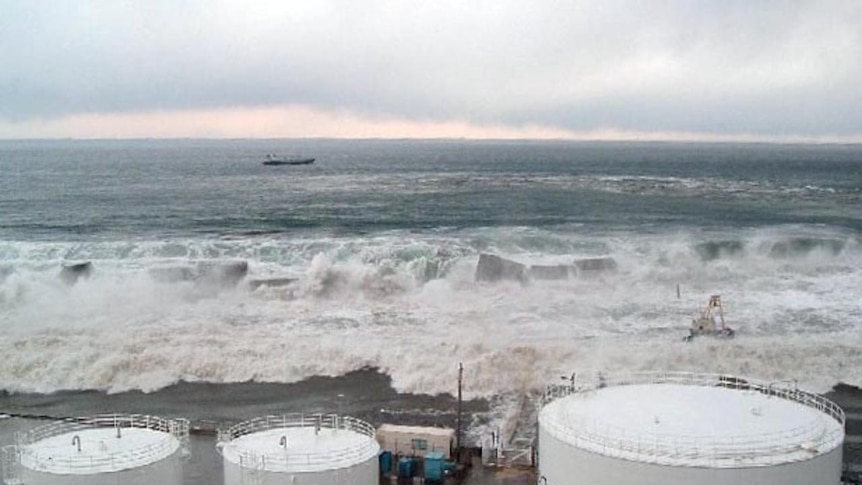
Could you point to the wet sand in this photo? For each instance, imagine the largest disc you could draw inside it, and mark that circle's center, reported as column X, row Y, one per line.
column 365, row 394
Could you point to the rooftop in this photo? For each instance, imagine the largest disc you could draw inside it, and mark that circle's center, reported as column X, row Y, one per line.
column 299, row 443
column 695, row 420
column 99, row 445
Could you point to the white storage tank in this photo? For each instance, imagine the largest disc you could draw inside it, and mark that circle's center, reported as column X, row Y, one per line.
column 300, row 449
column 683, row 428
column 106, row 449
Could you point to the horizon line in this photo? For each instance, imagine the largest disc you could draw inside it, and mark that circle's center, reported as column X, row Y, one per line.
column 742, row 140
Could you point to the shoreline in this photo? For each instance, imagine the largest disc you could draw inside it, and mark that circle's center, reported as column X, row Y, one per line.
column 366, row 394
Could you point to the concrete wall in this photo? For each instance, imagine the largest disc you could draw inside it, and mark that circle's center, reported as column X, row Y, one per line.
column 562, row 464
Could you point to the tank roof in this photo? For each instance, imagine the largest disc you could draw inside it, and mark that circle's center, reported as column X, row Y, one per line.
column 100, row 451
column 299, row 443
column 695, row 421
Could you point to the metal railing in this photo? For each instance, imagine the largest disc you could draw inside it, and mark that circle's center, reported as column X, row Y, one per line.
column 27, row 452
column 793, row 444
column 287, row 459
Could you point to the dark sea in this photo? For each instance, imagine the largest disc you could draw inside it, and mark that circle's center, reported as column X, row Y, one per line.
column 220, row 289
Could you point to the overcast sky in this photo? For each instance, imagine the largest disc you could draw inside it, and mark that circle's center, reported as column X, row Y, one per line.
column 712, row 69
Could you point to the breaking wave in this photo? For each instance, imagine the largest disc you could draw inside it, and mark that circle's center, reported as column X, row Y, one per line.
column 149, row 315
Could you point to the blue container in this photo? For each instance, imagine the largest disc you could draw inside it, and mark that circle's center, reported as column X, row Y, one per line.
column 405, row 467
column 434, row 466
column 385, row 459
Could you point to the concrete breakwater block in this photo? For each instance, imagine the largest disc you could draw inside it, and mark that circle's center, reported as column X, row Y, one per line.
column 596, row 264
column 71, row 273
column 205, row 273
column 270, row 282
column 495, row 268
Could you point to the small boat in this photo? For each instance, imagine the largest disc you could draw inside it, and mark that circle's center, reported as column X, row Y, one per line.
column 705, row 323
column 274, row 160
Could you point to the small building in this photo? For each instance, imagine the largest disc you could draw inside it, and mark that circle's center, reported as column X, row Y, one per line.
column 416, row 440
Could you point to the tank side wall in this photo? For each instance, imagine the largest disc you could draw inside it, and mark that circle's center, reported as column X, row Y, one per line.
column 233, row 473
column 168, row 471
column 563, row 464
column 365, row 473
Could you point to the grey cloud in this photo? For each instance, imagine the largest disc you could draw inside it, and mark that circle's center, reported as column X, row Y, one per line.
column 764, row 67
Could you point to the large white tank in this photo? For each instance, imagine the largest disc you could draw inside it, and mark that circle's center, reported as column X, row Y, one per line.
column 100, row 450
column 682, row 428
column 300, row 449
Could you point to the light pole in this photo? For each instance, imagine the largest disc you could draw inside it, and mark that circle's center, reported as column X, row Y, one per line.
column 458, row 431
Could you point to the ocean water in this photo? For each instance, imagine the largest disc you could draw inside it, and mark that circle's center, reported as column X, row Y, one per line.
column 383, row 238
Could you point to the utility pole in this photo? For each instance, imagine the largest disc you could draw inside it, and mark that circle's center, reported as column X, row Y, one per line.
column 458, row 431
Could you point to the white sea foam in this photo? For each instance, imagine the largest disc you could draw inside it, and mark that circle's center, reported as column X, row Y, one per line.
column 408, row 304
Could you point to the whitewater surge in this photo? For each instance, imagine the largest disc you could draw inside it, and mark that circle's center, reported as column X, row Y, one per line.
column 407, row 303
